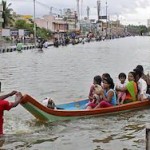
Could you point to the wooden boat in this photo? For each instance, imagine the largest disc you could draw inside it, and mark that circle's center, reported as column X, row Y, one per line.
column 74, row 109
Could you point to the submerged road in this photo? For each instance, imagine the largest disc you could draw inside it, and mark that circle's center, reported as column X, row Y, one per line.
column 65, row 74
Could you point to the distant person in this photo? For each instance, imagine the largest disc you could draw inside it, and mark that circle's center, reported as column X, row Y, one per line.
column 6, row 105
column 121, row 95
column 130, row 88
column 144, row 77
column 19, row 46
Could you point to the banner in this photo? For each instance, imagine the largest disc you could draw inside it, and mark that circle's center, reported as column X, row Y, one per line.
column 102, row 17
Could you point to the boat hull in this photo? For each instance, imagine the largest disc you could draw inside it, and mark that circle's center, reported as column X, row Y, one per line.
column 74, row 110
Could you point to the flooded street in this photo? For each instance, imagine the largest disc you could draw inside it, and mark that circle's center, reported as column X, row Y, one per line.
column 66, row 74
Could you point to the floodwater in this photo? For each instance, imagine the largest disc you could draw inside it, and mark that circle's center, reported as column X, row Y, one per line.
column 66, row 74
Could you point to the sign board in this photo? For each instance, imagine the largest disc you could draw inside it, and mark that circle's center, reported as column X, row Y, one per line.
column 102, row 17
column 14, row 33
column 21, row 32
column 5, row 32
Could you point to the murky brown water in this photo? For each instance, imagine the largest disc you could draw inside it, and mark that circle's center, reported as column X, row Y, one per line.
column 65, row 74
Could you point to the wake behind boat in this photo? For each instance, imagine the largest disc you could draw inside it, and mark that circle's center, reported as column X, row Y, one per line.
column 75, row 109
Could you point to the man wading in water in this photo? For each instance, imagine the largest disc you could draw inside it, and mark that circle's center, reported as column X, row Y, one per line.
column 6, row 105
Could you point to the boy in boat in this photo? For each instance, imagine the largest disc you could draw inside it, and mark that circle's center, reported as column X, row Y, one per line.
column 6, row 105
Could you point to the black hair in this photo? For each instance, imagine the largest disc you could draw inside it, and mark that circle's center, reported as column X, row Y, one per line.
column 110, row 81
column 140, row 67
column 133, row 73
column 122, row 75
column 98, row 79
column 106, row 75
column 138, row 72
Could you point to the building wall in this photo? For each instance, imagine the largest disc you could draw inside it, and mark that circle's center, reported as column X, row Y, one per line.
column 51, row 23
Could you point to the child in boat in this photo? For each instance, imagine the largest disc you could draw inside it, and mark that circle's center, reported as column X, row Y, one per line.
column 97, row 97
column 121, row 95
column 97, row 80
column 130, row 88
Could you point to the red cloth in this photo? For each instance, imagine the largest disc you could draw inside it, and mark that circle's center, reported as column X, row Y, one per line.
column 104, row 104
column 4, row 105
column 91, row 93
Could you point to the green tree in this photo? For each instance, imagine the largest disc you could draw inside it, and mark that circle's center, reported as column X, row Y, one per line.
column 41, row 32
column 22, row 24
column 143, row 29
column 7, row 14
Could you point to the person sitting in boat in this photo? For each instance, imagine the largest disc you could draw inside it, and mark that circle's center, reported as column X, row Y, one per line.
column 48, row 102
column 130, row 88
column 108, row 94
column 142, row 86
column 97, row 97
column 105, row 76
column 144, row 77
column 97, row 80
column 121, row 95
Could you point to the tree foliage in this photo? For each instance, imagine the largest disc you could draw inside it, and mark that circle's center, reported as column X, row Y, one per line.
column 7, row 14
column 22, row 24
column 139, row 30
column 41, row 32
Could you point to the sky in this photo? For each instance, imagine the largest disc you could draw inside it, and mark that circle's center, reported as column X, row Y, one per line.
column 127, row 11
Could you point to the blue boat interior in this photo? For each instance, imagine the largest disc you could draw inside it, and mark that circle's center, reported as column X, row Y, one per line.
column 77, row 105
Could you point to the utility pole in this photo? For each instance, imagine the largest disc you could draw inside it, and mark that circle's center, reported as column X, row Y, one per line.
column 34, row 25
column 106, row 18
column 88, row 11
column 78, row 11
column 51, row 9
column 98, row 9
column 100, row 24
column 81, row 8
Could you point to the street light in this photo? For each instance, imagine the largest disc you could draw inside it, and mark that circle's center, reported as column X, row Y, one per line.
column 34, row 24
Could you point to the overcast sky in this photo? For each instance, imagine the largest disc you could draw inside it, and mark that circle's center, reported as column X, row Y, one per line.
column 128, row 11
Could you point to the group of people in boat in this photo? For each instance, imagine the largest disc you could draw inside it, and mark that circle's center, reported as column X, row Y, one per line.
column 104, row 93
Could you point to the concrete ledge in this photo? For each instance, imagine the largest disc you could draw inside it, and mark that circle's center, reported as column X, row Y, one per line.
column 13, row 48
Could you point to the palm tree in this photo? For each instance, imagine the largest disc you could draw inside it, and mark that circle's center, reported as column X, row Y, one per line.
column 7, row 14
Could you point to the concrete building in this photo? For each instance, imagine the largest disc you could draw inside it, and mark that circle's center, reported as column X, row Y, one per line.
column 52, row 23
